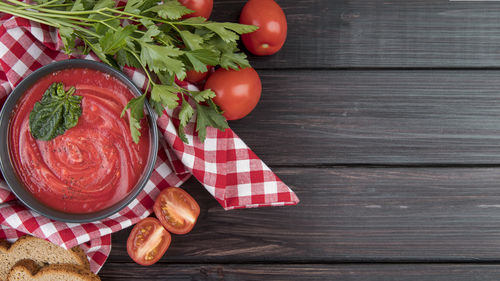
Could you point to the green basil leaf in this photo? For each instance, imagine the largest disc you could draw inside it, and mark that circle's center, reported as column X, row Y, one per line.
column 57, row 112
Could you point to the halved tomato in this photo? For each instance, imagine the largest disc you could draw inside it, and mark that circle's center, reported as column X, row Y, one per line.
column 148, row 241
column 176, row 210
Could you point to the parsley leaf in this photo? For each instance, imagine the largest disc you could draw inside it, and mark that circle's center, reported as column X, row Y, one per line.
column 166, row 95
column 229, row 31
column 104, row 4
column 234, row 60
column 78, row 6
column 157, row 107
column 136, row 106
column 203, row 95
column 101, row 4
column 57, row 112
column 161, row 58
column 238, row 28
column 208, row 116
column 186, row 112
column 170, row 10
column 200, row 58
column 68, row 38
column 133, row 6
column 193, row 41
column 115, row 40
column 152, row 31
column 126, row 58
column 148, row 35
column 184, row 116
column 231, row 56
column 139, row 6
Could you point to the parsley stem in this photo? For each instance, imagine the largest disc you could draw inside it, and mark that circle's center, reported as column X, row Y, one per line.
column 101, row 11
column 109, row 26
column 143, row 67
column 92, row 47
column 101, row 27
column 19, row 3
column 51, row 16
column 8, row 10
column 142, row 17
column 79, row 20
column 49, row 3
column 67, row 13
column 42, row 18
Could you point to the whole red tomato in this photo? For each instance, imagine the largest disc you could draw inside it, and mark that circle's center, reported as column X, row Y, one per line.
column 201, row 8
column 237, row 92
column 271, row 20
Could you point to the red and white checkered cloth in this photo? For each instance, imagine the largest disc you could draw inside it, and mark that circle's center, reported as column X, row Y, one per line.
column 227, row 168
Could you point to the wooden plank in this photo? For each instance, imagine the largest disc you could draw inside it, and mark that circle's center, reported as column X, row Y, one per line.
column 351, row 214
column 375, row 117
column 400, row 33
column 258, row 272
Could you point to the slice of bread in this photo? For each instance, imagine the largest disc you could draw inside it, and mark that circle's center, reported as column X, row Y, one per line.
column 42, row 252
column 26, row 270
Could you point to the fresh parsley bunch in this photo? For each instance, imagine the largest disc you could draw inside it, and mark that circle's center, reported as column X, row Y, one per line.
column 147, row 34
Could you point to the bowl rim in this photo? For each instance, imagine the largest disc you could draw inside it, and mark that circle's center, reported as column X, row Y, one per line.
column 10, row 175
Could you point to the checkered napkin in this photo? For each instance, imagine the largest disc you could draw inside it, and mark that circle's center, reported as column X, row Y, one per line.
column 227, row 168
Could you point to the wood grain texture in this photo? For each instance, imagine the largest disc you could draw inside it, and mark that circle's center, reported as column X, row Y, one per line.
column 378, row 33
column 375, row 117
column 285, row 272
column 392, row 164
column 351, row 214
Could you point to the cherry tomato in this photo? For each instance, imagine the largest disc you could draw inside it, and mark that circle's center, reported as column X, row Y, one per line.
column 148, row 241
column 201, row 8
column 176, row 210
column 237, row 92
column 271, row 20
column 195, row 77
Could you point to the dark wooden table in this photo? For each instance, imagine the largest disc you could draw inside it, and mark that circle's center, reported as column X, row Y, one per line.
column 384, row 117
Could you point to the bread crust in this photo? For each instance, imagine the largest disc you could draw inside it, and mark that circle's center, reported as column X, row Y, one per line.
column 81, row 256
column 28, row 265
column 27, row 247
column 4, row 245
column 30, row 269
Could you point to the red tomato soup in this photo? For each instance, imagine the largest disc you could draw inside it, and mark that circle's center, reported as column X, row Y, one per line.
column 92, row 165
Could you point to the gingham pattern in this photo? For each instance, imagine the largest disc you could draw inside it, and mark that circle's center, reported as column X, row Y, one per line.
column 227, row 168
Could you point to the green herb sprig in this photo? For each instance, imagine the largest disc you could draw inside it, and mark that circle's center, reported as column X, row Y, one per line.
column 147, row 34
column 55, row 113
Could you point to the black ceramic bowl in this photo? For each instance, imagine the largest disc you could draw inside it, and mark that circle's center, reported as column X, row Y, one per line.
column 10, row 174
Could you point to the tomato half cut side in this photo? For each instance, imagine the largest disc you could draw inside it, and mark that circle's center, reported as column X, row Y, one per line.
column 176, row 210
column 148, row 241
